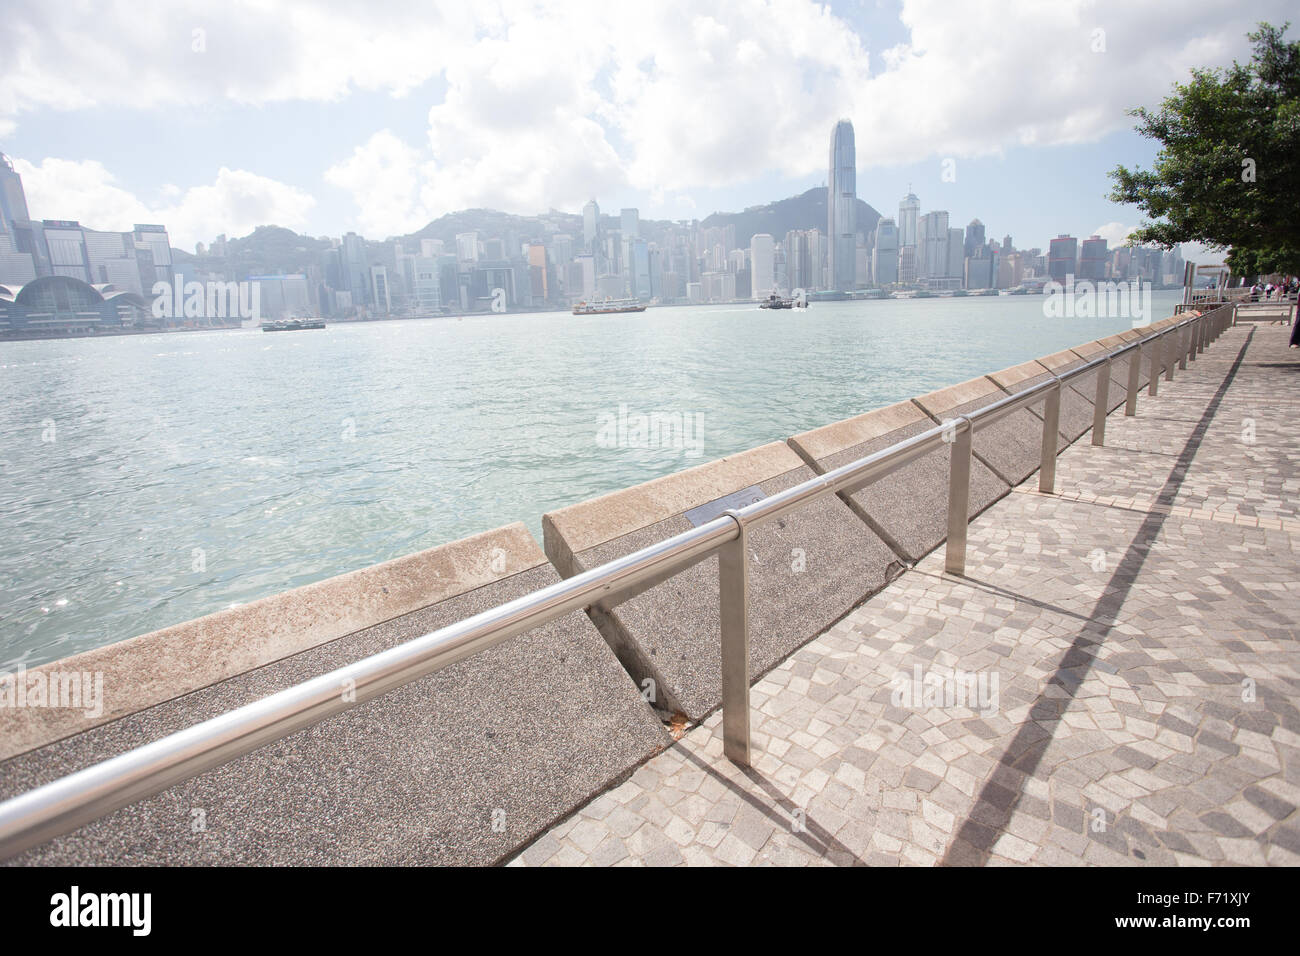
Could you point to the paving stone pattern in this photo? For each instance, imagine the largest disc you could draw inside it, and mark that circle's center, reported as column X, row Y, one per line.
column 1141, row 625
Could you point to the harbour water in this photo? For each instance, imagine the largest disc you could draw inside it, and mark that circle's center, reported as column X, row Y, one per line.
column 147, row 480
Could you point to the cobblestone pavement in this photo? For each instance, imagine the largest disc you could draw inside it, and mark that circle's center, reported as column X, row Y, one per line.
column 1136, row 639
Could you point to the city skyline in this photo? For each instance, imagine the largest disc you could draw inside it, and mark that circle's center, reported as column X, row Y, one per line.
column 60, row 276
column 905, row 216
column 391, row 127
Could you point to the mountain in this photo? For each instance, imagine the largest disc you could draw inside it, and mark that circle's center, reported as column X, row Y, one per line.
column 492, row 224
column 272, row 250
column 267, row 250
column 806, row 211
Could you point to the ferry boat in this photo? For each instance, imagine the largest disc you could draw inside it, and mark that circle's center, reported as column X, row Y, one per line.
column 293, row 325
column 608, row 306
column 775, row 301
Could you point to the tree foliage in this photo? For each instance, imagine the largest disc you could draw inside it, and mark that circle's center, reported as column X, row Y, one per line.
column 1228, row 171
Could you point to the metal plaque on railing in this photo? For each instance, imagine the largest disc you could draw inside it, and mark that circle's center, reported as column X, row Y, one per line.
column 703, row 514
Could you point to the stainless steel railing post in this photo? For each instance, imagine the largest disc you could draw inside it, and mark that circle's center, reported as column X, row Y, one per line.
column 733, row 607
column 958, row 498
column 1051, row 428
column 1153, row 374
column 1134, row 382
column 1102, row 406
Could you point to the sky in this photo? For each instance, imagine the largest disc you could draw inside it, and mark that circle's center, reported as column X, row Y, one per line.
column 327, row 116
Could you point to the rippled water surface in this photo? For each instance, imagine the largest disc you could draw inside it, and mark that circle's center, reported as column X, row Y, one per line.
column 191, row 471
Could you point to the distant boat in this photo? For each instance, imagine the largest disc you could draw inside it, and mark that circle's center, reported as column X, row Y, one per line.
column 293, row 325
column 775, row 301
column 608, row 306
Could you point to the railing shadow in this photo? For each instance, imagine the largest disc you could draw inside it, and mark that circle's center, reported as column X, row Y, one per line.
column 811, row 834
column 1001, row 793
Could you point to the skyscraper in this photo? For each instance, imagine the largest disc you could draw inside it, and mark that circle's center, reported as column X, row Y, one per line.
column 974, row 237
column 909, row 210
column 955, row 270
column 467, row 247
column 356, row 274
column 1092, row 258
column 842, row 208
column 907, row 265
column 1062, row 257
column 379, row 282
column 538, row 285
column 590, row 226
column 638, row 268
column 13, row 201
column 932, row 245
column 629, row 231
column 798, row 260
column 884, row 257
column 762, row 263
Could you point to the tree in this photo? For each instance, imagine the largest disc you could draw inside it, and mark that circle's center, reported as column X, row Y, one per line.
column 1228, row 171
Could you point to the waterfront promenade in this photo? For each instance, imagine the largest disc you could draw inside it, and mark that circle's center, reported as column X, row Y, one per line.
column 1142, row 626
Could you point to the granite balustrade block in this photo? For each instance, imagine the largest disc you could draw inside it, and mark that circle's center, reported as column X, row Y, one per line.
column 1118, row 388
column 806, row 570
column 1011, row 446
column 1026, row 375
column 1076, row 397
column 908, row 508
column 462, row 766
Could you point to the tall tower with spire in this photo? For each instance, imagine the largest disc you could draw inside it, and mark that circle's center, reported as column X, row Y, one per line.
column 842, row 209
column 909, row 211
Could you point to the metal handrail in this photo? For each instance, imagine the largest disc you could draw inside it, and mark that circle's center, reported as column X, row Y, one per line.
column 72, row 801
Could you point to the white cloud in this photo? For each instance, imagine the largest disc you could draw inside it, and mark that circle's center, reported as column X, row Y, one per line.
column 548, row 104
column 383, row 176
column 191, row 51
column 234, row 203
column 554, row 106
column 1202, row 255
column 1115, row 233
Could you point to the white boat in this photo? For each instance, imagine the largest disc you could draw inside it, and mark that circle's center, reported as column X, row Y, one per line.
column 608, row 306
